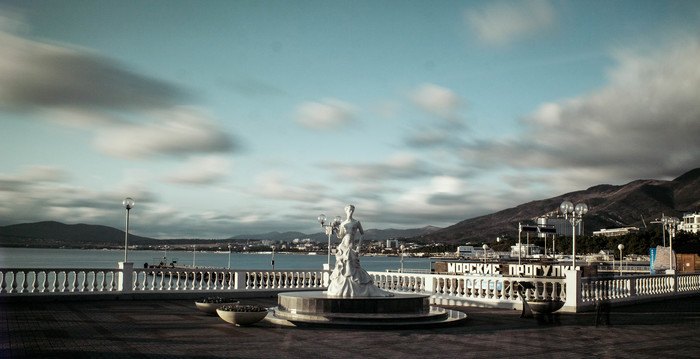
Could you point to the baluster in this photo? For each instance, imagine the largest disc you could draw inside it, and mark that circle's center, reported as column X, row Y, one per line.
column 13, row 283
column 35, row 282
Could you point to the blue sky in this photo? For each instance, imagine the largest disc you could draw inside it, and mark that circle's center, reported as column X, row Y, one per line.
column 241, row 117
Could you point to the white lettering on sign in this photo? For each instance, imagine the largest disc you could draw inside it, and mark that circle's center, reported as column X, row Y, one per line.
column 473, row 268
column 537, row 270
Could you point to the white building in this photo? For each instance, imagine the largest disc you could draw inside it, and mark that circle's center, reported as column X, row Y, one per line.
column 615, row 232
column 690, row 223
column 562, row 225
column 466, row 252
column 524, row 250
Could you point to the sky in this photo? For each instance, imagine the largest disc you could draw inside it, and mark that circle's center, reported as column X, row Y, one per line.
column 224, row 118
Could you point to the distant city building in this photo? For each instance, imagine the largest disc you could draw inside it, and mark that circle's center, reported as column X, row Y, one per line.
column 562, row 225
column 466, row 252
column 691, row 223
column 524, row 250
column 392, row 243
column 615, row 232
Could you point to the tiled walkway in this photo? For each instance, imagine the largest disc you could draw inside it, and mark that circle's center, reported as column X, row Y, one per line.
column 174, row 329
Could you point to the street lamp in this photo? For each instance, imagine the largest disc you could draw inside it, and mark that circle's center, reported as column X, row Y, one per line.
column 575, row 216
column 670, row 224
column 485, row 247
column 331, row 228
column 620, row 247
column 128, row 203
column 402, row 252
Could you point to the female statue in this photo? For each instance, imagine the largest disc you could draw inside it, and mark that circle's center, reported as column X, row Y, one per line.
column 349, row 279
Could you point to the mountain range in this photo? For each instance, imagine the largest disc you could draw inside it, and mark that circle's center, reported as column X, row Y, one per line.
column 637, row 203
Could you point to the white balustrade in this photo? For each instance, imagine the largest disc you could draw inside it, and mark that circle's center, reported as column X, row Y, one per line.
column 443, row 289
column 477, row 290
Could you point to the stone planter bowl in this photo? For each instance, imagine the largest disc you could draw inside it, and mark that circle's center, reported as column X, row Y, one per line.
column 241, row 318
column 210, row 308
column 545, row 306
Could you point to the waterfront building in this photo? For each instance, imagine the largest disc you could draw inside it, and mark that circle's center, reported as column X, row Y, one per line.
column 561, row 225
column 690, row 223
column 466, row 252
column 615, row 232
column 525, row 250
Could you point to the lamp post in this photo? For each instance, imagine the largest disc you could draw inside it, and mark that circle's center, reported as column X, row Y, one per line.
column 670, row 224
column 194, row 256
column 331, row 228
column 402, row 252
column 272, row 261
column 229, row 256
column 575, row 216
column 620, row 247
column 128, row 203
column 485, row 247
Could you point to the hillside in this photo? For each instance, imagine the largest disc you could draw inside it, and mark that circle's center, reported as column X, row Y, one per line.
column 50, row 234
column 634, row 204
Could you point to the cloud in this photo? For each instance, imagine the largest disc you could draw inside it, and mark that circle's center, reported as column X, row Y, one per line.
column 643, row 124
column 438, row 101
column 131, row 115
column 35, row 74
column 400, row 165
column 331, row 114
column 502, row 23
column 200, row 170
column 39, row 193
column 275, row 185
column 176, row 131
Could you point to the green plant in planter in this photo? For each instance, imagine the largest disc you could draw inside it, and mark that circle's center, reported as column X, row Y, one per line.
column 216, row 300
column 243, row 308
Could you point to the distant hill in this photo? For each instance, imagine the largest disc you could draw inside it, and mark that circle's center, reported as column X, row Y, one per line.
column 52, row 233
column 634, row 204
column 370, row 234
column 56, row 234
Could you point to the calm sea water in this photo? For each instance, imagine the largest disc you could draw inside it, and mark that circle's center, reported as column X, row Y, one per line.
column 94, row 258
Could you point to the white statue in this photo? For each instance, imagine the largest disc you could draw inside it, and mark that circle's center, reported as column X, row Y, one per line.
column 349, row 279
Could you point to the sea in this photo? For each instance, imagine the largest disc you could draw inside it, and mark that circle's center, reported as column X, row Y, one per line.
column 108, row 259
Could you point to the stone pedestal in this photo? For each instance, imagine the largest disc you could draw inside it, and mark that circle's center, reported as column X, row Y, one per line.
column 400, row 311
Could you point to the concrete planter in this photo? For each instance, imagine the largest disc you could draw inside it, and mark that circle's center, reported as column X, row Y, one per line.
column 545, row 306
column 241, row 318
column 210, row 308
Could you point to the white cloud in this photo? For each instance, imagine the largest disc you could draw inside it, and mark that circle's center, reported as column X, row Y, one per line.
column 330, row 114
column 643, row 124
column 276, row 185
column 438, row 101
column 399, row 165
column 175, row 131
column 201, row 170
column 501, row 23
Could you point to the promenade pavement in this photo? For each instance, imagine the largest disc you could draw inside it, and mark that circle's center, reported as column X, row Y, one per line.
column 175, row 329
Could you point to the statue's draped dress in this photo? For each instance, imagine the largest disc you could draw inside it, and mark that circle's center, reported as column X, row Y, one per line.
column 349, row 279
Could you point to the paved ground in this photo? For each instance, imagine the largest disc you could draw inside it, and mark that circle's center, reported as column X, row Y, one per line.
column 175, row 329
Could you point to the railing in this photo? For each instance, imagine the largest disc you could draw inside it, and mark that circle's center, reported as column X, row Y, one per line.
column 470, row 290
column 58, row 281
column 42, row 281
column 579, row 294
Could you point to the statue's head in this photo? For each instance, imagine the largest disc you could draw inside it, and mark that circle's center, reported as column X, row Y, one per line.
column 349, row 209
